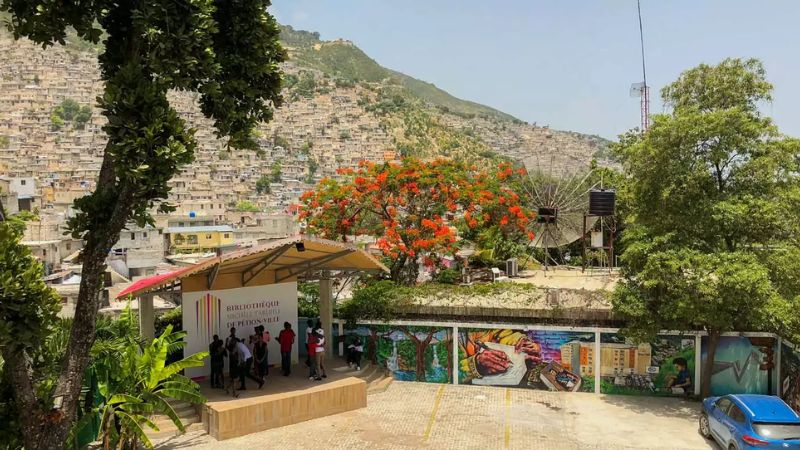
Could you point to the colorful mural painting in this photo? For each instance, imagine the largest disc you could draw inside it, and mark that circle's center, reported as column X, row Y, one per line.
column 410, row 353
column 533, row 359
column 662, row 367
column 741, row 365
column 790, row 376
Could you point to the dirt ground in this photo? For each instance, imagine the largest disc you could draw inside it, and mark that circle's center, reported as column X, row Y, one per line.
column 419, row 415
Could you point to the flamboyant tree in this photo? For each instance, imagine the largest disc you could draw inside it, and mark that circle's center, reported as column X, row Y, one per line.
column 413, row 208
column 712, row 202
column 228, row 52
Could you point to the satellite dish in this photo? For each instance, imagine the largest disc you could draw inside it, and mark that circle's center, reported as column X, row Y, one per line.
column 560, row 195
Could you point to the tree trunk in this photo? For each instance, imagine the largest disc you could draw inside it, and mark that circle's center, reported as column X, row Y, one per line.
column 448, row 343
column 372, row 348
column 420, row 360
column 55, row 425
column 708, row 368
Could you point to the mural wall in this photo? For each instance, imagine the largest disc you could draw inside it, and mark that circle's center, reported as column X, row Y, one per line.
column 662, row 367
column 410, row 353
column 532, row 359
column 790, row 376
column 739, row 365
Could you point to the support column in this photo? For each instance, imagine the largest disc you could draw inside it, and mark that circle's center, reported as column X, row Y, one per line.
column 779, row 384
column 455, row 355
column 698, row 363
column 596, row 362
column 326, row 311
column 146, row 317
column 340, row 324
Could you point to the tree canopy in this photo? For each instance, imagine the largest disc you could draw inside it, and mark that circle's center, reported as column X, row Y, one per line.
column 711, row 201
column 227, row 52
column 414, row 209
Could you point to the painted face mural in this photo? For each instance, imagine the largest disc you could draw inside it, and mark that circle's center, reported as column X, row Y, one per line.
column 533, row 359
column 664, row 366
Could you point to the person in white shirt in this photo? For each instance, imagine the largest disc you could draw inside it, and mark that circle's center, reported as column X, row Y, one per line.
column 246, row 365
column 320, row 354
column 355, row 350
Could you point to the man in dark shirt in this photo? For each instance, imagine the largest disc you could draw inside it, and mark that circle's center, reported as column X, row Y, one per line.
column 286, row 339
column 217, row 353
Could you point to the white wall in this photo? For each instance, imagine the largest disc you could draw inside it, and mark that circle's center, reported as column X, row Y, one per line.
column 243, row 308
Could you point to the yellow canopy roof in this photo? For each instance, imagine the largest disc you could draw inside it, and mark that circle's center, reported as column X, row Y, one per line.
column 287, row 258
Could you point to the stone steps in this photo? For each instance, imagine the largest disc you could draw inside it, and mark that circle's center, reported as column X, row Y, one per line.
column 166, row 428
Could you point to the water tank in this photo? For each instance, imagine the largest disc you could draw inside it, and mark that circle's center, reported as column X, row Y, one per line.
column 192, row 214
column 602, row 202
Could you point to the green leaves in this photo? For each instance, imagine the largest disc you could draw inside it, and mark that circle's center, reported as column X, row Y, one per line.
column 712, row 201
column 142, row 384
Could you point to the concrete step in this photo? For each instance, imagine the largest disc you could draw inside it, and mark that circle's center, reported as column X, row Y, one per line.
column 379, row 385
column 168, row 431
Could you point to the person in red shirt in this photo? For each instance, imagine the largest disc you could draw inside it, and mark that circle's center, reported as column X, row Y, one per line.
column 312, row 352
column 286, row 339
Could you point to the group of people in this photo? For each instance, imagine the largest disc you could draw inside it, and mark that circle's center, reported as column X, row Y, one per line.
column 248, row 360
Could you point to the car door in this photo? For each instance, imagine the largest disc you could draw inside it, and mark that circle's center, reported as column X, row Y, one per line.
column 718, row 415
column 732, row 424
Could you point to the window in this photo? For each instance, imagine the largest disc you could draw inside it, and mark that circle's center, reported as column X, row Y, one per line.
column 192, row 239
column 133, row 236
column 777, row 430
column 723, row 404
column 736, row 414
column 23, row 182
column 44, row 252
column 208, row 236
column 144, row 235
column 227, row 235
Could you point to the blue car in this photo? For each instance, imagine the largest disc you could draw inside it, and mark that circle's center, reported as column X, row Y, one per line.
column 739, row 422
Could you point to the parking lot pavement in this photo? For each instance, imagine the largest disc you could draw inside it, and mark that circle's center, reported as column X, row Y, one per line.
column 419, row 415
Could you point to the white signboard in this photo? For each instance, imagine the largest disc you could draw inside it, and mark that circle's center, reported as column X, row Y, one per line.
column 206, row 313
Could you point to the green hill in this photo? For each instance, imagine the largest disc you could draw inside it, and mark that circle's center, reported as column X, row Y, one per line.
column 342, row 59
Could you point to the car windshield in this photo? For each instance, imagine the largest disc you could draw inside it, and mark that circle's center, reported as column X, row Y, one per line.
column 783, row 431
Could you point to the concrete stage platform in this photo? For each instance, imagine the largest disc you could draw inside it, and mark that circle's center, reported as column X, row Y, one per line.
column 282, row 401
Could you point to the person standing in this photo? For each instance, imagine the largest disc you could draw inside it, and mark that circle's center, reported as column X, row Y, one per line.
column 260, row 352
column 355, row 350
column 286, row 339
column 217, row 352
column 309, row 332
column 233, row 366
column 312, row 352
column 264, row 335
column 231, row 339
column 246, row 366
column 320, row 354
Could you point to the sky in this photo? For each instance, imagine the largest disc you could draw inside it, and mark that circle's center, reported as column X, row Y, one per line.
column 567, row 64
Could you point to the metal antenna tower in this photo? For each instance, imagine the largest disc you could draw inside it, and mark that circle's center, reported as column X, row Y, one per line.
column 645, row 102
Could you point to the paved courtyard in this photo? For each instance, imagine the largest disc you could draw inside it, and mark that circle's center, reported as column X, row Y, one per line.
column 418, row 415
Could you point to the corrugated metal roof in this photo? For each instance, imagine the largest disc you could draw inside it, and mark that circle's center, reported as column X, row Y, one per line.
column 281, row 255
column 199, row 229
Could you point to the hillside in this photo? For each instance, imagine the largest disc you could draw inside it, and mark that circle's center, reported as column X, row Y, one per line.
column 341, row 108
column 342, row 59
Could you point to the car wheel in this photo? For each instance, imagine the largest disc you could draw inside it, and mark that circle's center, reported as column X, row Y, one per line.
column 705, row 428
column 732, row 447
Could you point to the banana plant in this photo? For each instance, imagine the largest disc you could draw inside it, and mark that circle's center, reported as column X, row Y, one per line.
column 140, row 384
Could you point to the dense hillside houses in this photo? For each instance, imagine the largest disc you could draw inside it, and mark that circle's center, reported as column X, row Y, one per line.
column 51, row 145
